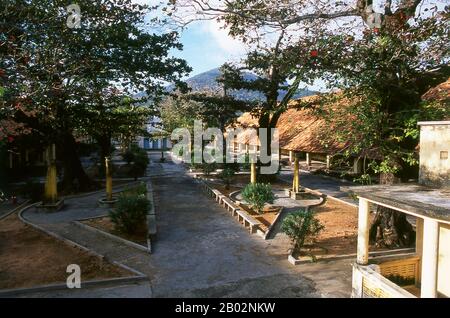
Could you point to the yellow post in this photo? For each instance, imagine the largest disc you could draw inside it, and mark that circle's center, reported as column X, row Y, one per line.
column 108, row 179
column 51, row 192
column 253, row 173
column 296, row 182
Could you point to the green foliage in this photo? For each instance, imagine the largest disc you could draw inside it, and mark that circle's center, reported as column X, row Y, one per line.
column 140, row 189
column 301, row 226
column 130, row 213
column 258, row 194
column 128, row 156
column 382, row 100
column 63, row 81
column 246, row 164
column 138, row 158
column 207, row 168
column 227, row 175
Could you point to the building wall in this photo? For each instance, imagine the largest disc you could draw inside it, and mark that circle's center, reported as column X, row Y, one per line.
column 444, row 260
column 435, row 154
column 154, row 144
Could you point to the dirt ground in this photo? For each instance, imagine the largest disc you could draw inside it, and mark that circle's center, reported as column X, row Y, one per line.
column 31, row 258
column 341, row 229
column 105, row 224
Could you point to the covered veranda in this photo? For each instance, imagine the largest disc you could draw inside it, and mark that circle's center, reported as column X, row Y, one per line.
column 425, row 273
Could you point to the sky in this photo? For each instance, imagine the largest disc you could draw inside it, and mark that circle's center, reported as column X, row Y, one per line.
column 207, row 46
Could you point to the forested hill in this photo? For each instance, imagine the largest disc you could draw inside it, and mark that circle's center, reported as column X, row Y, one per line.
column 207, row 82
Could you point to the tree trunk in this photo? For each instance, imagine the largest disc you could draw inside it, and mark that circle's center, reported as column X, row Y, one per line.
column 390, row 228
column 75, row 179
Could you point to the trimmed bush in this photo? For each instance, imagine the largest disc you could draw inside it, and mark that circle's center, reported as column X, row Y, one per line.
column 227, row 175
column 130, row 213
column 140, row 189
column 138, row 159
column 257, row 194
column 207, row 168
column 301, row 226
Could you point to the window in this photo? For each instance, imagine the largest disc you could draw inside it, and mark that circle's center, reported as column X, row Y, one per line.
column 444, row 155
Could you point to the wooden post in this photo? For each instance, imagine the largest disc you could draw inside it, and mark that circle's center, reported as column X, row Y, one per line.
column 308, row 159
column 419, row 242
column 253, row 173
column 363, row 232
column 296, row 182
column 430, row 256
column 328, row 162
column 291, row 156
column 108, row 179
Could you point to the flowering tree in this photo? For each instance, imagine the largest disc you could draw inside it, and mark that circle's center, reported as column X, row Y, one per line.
column 58, row 64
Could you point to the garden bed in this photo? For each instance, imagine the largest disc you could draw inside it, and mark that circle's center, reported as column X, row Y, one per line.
column 30, row 258
column 105, row 224
column 340, row 235
column 267, row 218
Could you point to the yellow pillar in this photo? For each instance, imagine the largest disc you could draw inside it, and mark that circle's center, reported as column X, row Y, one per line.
column 108, row 179
column 362, row 257
column 296, row 182
column 253, row 173
column 50, row 190
column 308, row 159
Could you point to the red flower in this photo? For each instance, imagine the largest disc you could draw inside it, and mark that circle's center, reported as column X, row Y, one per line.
column 376, row 30
column 314, row 53
column 10, row 138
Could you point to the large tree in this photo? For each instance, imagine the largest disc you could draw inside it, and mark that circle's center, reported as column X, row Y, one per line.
column 384, row 62
column 55, row 70
column 383, row 75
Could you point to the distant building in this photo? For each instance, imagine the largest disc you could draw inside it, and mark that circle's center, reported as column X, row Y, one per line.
column 158, row 139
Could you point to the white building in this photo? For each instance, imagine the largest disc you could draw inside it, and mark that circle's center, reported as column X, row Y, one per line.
column 159, row 140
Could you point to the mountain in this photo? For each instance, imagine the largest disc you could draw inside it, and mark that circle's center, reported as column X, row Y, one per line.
column 207, row 82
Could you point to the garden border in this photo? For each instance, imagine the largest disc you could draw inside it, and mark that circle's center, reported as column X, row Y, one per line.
column 373, row 255
column 17, row 208
column 111, row 236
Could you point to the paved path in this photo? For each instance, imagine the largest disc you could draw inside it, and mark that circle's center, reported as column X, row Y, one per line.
column 201, row 251
column 326, row 185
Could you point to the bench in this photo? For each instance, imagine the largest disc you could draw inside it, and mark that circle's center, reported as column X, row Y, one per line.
column 247, row 220
column 229, row 205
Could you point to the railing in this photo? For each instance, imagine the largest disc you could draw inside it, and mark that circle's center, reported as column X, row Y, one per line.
column 369, row 281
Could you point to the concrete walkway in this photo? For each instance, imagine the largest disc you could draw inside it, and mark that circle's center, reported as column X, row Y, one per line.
column 200, row 251
column 327, row 185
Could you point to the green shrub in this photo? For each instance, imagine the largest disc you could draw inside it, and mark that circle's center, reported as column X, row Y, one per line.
column 301, row 226
column 128, row 156
column 246, row 164
column 140, row 189
column 257, row 194
column 227, row 175
column 207, row 168
column 138, row 159
column 130, row 213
